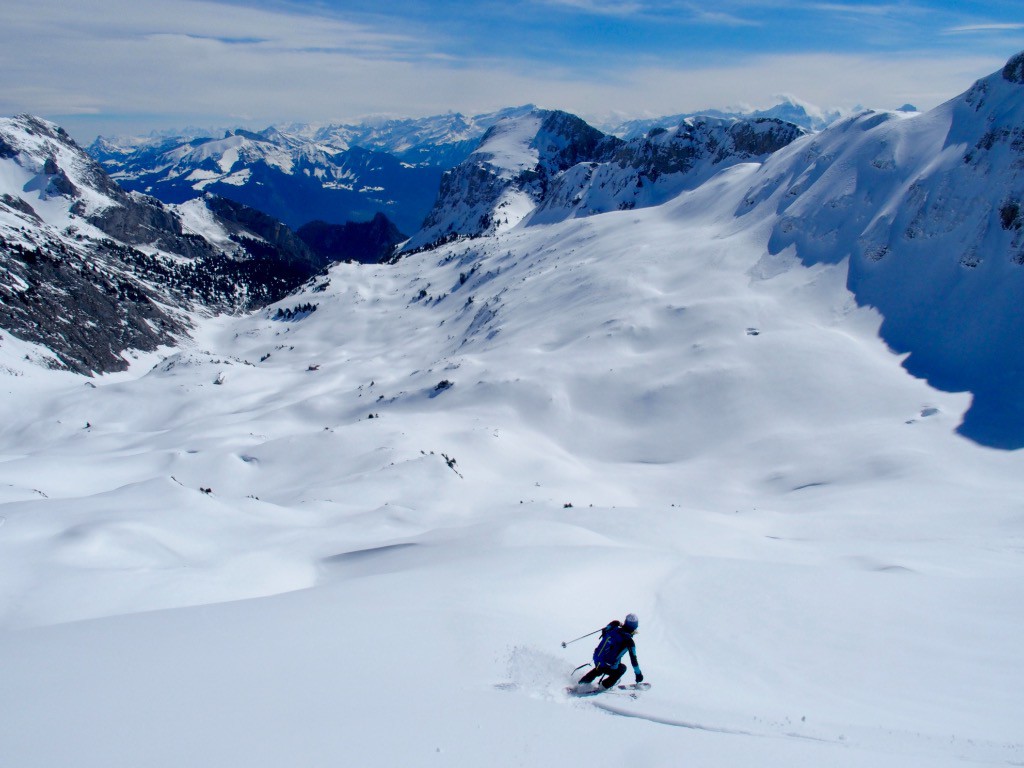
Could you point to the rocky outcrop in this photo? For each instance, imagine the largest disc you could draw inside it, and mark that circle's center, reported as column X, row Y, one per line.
column 105, row 271
column 509, row 174
column 365, row 242
column 280, row 239
column 548, row 166
column 1014, row 70
column 87, row 316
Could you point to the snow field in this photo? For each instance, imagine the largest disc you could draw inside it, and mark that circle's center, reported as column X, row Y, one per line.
column 824, row 572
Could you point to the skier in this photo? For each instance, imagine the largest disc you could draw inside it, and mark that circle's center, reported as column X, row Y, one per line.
column 616, row 639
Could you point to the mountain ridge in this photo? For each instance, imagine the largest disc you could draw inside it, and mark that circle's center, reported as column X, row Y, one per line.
column 94, row 273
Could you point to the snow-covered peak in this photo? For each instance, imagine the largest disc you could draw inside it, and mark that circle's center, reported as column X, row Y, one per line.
column 508, row 174
column 404, row 136
column 509, row 147
column 47, row 171
column 233, row 152
column 790, row 109
column 301, row 172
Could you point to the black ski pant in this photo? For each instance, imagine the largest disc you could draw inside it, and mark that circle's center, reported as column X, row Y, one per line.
column 612, row 675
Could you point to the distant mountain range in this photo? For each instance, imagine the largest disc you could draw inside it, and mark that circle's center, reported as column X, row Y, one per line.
column 337, row 173
column 301, row 173
column 807, row 116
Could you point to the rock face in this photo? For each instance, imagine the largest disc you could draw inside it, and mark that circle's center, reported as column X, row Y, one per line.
column 1013, row 72
column 365, row 242
column 650, row 170
column 509, row 174
column 272, row 237
column 90, row 271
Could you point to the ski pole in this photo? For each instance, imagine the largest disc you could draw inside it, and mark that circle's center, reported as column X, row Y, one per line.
column 565, row 643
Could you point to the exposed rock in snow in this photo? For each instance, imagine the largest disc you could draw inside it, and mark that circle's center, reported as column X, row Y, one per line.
column 548, row 166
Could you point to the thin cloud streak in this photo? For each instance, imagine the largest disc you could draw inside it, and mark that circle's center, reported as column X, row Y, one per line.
column 880, row 9
column 968, row 28
column 599, row 7
column 680, row 12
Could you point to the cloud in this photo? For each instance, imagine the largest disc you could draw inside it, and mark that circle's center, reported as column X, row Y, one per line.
column 719, row 18
column 870, row 9
column 600, row 7
column 44, row 22
column 675, row 11
column 967, row 28
column 166, row 64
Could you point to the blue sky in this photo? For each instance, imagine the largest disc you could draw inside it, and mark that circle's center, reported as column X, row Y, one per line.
column 115, row 66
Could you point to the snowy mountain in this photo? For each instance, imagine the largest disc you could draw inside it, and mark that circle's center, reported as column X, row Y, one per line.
column 807, row 116
column 91, row 272
column 300, row 173
column 545, row 166
column 438, row 140
column 509, row 173
column 926, row 209
column 657, row 167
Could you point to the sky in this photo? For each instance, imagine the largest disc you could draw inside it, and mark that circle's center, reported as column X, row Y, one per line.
column 132, row 66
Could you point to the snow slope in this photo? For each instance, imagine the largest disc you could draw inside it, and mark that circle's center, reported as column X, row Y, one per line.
column 927, row 210
column 223, row 560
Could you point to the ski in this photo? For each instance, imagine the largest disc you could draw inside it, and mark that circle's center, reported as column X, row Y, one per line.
column 635, row 687
column 581, row 690
column 585, row 689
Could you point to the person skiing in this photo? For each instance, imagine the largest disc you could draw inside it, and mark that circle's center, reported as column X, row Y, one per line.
column 616, row 640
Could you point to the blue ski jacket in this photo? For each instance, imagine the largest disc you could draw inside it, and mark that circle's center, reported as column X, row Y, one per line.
column 615, row 642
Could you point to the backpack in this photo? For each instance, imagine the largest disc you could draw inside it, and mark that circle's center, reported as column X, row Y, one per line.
column 614, row 641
